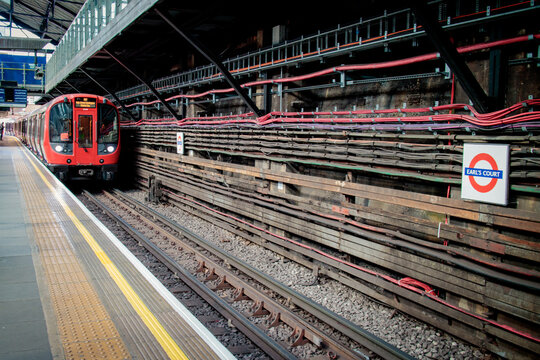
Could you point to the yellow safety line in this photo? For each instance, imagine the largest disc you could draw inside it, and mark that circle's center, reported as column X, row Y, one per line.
column 162, row 336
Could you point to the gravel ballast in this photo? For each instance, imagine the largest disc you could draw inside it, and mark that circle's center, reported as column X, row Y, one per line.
column 406, row 333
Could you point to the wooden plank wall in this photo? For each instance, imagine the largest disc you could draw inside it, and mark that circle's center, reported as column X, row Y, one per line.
column 481, row 259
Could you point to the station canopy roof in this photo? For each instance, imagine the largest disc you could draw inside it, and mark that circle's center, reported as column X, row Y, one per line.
column 47, row 19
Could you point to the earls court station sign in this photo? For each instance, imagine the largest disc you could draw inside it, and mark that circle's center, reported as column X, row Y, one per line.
column 485, row 173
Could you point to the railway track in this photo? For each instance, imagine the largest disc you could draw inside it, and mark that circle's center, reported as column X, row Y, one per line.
column 227, row 280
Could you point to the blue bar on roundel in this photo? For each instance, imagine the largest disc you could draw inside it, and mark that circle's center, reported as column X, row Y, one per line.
column 487, row 173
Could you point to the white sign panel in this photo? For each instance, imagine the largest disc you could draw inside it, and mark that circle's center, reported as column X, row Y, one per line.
column 485, row 173
column 180, row 143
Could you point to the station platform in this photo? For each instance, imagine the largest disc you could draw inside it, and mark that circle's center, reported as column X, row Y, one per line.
column 69, row 289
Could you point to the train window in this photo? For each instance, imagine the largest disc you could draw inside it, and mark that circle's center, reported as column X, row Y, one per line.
column 30, row 132
column 60, row 123
column 41, row 132
column 107, row 124
column 34, row 132
column 84, row 136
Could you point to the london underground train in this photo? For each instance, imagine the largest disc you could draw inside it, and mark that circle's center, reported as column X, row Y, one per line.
column 76, row 136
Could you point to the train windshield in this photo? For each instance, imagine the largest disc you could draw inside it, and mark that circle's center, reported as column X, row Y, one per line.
column 107, row 124
column 61, row 123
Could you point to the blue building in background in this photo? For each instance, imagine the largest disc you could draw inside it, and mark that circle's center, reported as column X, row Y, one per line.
column 27, row 71
column 20, row 74
column 22, row 69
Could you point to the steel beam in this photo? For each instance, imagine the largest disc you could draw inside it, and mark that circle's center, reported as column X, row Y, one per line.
column 56, row 4
column 45, row 23
column 11, row 8
column 73, row 87
column 448, row 51
column 120, row 102
column 40, row 14
column 214, row 59
column 498, row 68
column 148, row 84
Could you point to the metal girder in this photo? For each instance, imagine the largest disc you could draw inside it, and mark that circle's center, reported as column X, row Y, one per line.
column 148, row 84
column 27, row 27
column 110, row 92
column 448, row 51
column 498, row 68
column 214, row 59
column 45, row 23
column 39, row 30
column 11, row 10
column 72, row 86
column 60, row 6
column 40, row 14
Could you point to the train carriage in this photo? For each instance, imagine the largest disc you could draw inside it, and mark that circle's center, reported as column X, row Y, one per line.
column 76, row 136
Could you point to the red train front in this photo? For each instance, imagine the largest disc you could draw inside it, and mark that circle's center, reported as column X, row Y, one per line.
column 76, row 136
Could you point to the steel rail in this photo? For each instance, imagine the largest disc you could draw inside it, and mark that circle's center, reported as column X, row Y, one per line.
column 267, row 344
column 361, row 336
column 263, row 304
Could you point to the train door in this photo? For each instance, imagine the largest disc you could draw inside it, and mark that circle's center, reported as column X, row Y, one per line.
column 84, row 117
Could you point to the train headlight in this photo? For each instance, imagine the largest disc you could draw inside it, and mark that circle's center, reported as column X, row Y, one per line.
column 59, row 148
column 110, row 148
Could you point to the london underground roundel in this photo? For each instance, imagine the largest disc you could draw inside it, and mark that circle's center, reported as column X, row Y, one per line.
column 485, row 173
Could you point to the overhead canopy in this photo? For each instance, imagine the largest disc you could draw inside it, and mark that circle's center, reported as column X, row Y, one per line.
column 47, row 19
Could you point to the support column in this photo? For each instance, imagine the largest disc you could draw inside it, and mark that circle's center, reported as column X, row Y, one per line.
column 498, row 66
column 448, row 51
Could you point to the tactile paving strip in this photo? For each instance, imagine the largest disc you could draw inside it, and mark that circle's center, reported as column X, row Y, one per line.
column 86, row 329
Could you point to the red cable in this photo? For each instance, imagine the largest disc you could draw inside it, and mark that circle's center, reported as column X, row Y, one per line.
column 484, row 120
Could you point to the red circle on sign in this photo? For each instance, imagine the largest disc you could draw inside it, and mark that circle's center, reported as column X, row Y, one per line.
column 489, row 186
